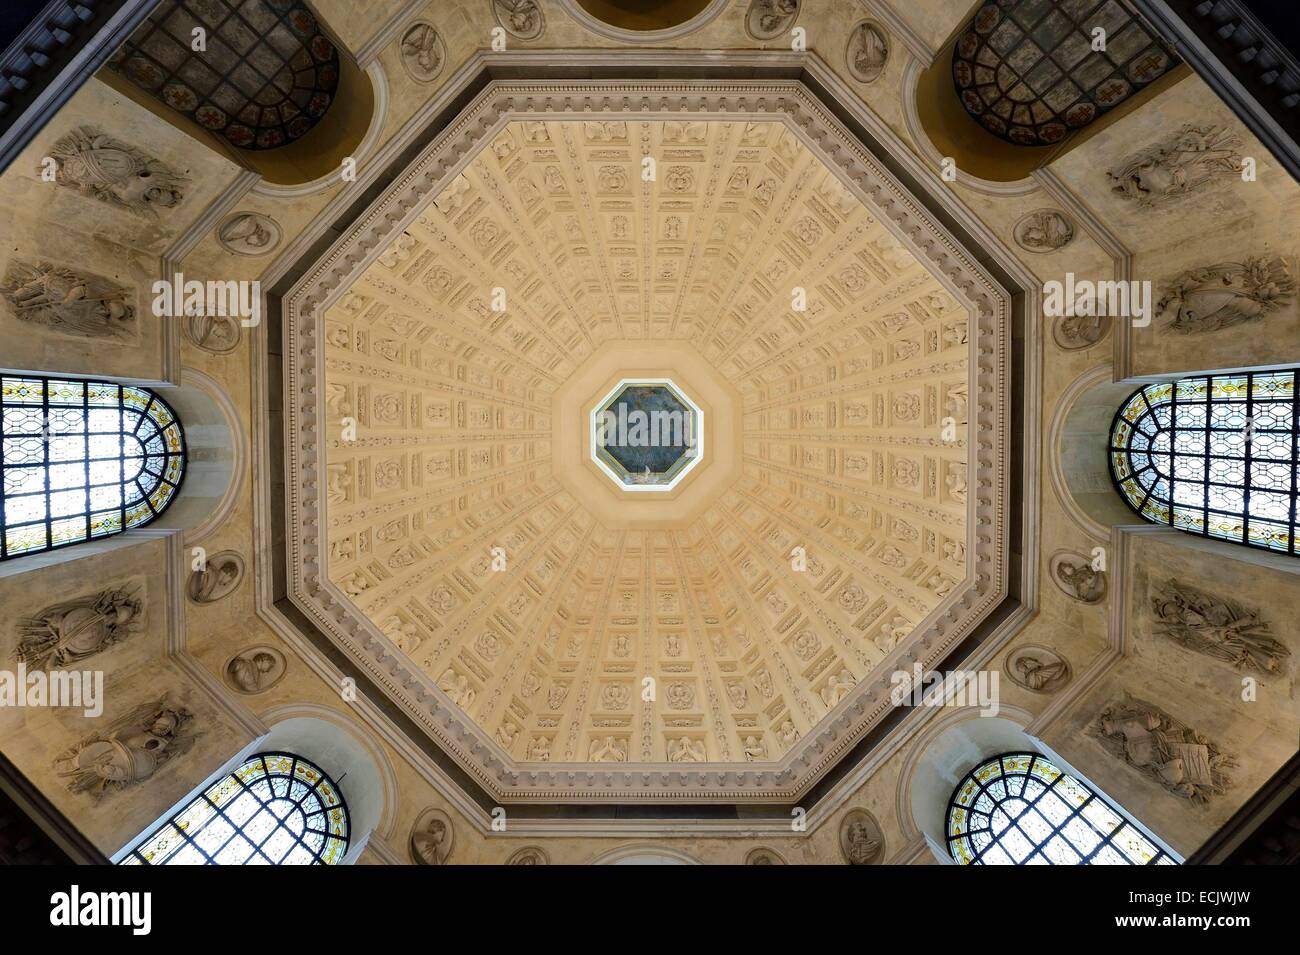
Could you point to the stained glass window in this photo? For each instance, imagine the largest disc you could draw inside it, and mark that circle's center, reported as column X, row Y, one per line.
column 1020, row 809
column 1213, row 455
column 1031, row 71
column 275, row 809
column 82, row 460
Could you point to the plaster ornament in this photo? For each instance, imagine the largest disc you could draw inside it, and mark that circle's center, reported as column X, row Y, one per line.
column 1213, row 297
column 256, row 669
column 1181, row 163
column 609, row 749
column 248, row 233
column 456, row 686
column 1163, row 749
column 66, row 633
column 216, row 334
column 754, row 748
column 431, row 838
column 768, row 19
column 868, row 51
column 68, row 301
column 539, row 749
column 1072, row 332
column 686, row 750
column 1037, row 668
column 114, row 172
column 423, row 52
column 861, row 840
column 1074, row 575
column 520, row 18
column 1043, row 230
column 129, row 751
column 1216, row 627
column 763, row 856
column 529, row 855
column 222, row 573
column 837, row 688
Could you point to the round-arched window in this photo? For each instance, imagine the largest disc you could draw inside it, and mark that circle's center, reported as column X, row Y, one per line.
column 275, row 809
column 82, row 460
column 1213, row 455
column 1021, row 809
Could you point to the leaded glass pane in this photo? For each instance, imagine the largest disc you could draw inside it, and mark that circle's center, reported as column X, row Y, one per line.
column 1035, row 814
column 74, row 461
column 1234, row 467
column 274, row 809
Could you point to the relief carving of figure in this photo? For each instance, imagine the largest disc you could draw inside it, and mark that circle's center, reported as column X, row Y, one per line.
column 686, row 750
column 1037, row 668
column 255, row 669
column 608, row 750
column 868, row 52
column 1216, row 627
column 1044, row 230
column 68, row 632
column 1165, row 750
column 1075, row 575
column 431, row 838
column 111, row 171
column 768, row 19
column 130, row 751
column 68, row 301
column 456, row 685
column 220, row 575
column 1178, row 165
column 861, row 840
column 1219, row 296
column 423, row 52
column 520, row 18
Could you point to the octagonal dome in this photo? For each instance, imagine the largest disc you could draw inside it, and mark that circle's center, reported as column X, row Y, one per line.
column 478, row 548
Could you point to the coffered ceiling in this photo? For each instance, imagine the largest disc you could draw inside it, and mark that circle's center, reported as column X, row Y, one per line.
column 480, row 557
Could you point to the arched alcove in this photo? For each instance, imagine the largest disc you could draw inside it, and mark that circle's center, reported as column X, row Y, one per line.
column 356, row 765
column 948, row 750
column 314, row 105
column 644, row 855
column 1066, row 96
column 643, row 21
column 1078, row 438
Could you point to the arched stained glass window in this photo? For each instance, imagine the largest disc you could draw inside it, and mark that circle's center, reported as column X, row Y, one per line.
column 1213, row 455
column 1021, row 809
column 82, row 460
column 275, row 809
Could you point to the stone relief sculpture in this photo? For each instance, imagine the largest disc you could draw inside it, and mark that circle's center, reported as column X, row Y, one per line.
column 69, row 301
column 768, row 19
column 686, row 750
column 431, row 838
column 1177, row 165
column 529, row 855
column 1072, row 332
column 1212, row 297
column 248, row 233
column 867, row 52
column 1165, row 750
column 610, row 749
column 111, row 171
column 456, row 685
column 1216, row 627
column 423, row 52
column 255, row 669
column 1037, row 668
column 221, row 574
column 1074, row 575
column 130, row 751
column 74, row 630
column 1043, row 230
column 861, row 840
column 520, row 18
column 217, row 334
column 763, row 856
